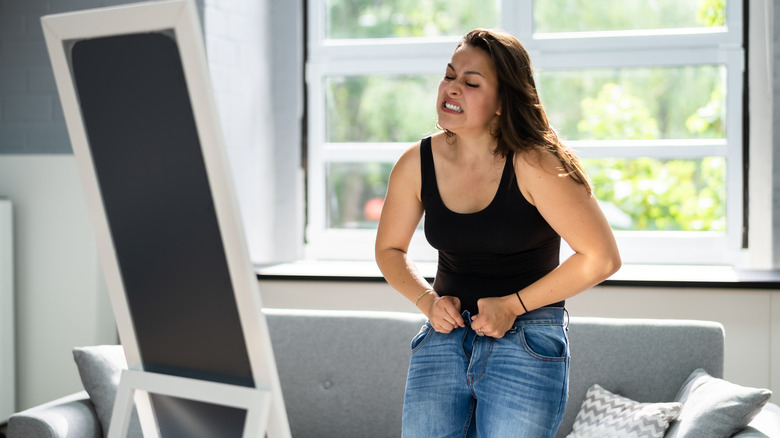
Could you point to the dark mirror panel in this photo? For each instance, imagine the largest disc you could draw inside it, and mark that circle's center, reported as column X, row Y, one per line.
column 162, row 218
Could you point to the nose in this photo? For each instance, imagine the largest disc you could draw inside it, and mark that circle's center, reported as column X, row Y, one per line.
column 453, row 88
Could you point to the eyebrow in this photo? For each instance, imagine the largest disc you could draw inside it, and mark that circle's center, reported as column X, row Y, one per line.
column 470, row 72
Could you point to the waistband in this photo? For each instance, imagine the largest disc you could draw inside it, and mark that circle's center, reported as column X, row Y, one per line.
column 542, row 315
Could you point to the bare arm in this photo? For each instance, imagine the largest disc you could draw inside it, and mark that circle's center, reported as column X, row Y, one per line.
column 577, row 218
column 401, row 213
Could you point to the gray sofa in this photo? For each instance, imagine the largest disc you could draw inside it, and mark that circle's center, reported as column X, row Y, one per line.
column 343, row 372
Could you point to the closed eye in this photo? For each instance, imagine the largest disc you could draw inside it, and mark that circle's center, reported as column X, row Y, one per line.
column 452, row 78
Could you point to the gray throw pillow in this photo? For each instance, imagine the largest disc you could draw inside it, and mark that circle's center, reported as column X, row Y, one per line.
column 604, row 414
column 100, row 368
column 715, row 408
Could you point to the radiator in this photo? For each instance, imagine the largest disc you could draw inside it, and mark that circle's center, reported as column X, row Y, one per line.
column 7, row 347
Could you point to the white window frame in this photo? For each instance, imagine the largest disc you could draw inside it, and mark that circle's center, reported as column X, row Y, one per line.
column 583, row 50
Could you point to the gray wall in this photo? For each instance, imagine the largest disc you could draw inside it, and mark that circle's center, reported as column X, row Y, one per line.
column 31, row 120
column 61, row 300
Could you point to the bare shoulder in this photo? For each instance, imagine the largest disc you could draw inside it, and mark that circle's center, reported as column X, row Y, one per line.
column 537, row 162
column 540, row 172
column 406, row 176
column 409, row 162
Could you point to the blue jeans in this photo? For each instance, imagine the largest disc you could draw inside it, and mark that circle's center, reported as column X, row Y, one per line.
column 463, row 385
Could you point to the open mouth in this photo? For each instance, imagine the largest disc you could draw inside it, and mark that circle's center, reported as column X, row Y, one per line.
column 453, row 107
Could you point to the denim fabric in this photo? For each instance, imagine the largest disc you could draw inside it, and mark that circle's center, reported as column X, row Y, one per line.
column 463, row 385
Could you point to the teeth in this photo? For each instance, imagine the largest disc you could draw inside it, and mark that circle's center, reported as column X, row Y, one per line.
column 453, row 107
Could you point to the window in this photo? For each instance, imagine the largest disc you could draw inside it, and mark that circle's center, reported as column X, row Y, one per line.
column 649, row 95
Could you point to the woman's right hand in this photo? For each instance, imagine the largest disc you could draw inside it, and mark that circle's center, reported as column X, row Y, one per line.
column 444, row 313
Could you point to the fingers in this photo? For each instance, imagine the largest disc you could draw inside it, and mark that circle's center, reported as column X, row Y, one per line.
column 484, row 325
column 443, row 323
column 481, row 325
column 452, row 306
column 443, row 327
column 489, row 333
column 482, row 331
column 446, row 315
column 486, row 331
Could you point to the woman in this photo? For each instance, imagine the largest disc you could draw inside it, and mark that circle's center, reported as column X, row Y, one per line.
column 499, row 190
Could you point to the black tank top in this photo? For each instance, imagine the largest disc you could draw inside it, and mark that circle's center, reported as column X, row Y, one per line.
column 490, row 253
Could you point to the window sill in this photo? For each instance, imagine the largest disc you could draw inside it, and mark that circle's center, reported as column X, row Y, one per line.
column 677, row 276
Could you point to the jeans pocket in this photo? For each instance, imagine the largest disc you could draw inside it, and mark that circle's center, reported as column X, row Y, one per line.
column 419, row 339
column 545, row 341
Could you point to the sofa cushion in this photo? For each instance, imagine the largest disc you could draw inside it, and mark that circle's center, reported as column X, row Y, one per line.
column 343, row 372
column 71, row 416
column 715, row 408
column 100, row 368
column 615, row 352
column 604, row 414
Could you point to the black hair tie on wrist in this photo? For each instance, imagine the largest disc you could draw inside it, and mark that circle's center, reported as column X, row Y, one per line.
column 521, row 301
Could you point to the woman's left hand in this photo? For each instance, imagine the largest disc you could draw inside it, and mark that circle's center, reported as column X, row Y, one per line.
column 494, row 318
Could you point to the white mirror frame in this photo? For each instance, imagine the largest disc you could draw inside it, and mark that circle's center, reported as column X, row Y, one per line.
column 181, row 17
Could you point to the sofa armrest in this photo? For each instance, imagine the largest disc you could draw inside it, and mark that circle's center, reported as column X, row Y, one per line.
column 72, row 416
column 765, row 425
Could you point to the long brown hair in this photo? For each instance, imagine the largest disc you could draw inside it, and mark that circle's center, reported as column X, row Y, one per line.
column 523, row 123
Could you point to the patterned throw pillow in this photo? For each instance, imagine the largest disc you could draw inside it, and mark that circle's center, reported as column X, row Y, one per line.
column 604, row 414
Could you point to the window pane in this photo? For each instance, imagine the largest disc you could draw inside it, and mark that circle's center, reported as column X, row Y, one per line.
column 408, row 18
column 648, row 194
column 380, row 108
column 609, row 15
column 636, row 103
column 355, row 194
column 644, row 194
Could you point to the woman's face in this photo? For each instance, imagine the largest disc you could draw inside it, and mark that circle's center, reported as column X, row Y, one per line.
column 468, row 94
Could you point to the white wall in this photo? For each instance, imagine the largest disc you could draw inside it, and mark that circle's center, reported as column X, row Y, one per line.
column 238, row 44
column 61, row 300
column 7, row 337
column 751, row 317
